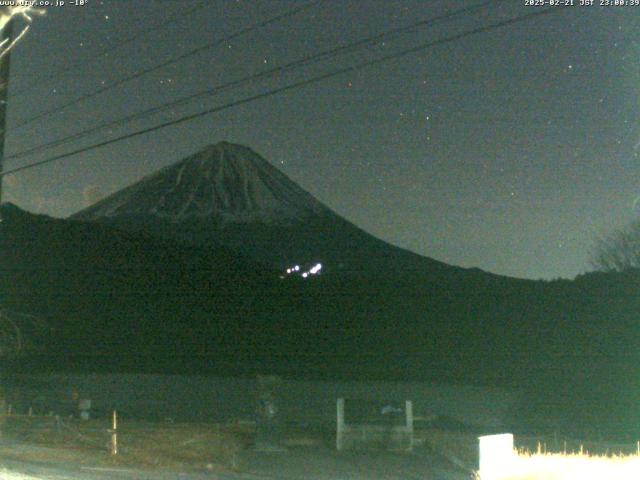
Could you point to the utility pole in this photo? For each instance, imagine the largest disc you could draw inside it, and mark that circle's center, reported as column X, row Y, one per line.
column 5, row 62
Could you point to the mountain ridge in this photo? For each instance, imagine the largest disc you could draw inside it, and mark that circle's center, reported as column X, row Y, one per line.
column 229, row 194
column 224, row 181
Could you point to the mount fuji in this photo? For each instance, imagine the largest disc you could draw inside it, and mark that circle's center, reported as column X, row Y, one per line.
column 228, row 194
column 156, row 278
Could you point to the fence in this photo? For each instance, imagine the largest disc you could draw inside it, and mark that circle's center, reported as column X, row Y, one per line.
column 31, row 426
column 112, row 442
column 366, row 425
column 219, row 399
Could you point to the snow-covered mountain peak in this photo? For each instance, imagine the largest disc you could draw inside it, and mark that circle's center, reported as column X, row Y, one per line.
column 224, row 181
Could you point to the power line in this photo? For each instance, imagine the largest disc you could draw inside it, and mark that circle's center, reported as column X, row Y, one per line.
column 305, row 61
column 166, row 63
column 291, row 86
column 65, row 70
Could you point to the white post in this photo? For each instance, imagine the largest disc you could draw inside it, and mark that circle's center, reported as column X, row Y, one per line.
column 114, row 433
column 340, row 424
column 496, row 456
column 408, row 409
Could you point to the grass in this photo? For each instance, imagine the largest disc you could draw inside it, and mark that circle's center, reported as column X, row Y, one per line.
column 569, row 459
column 212, row 447
column 525, row 465
column 576, row 466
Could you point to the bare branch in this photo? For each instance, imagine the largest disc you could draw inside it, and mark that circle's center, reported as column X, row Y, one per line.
column 619, row 251
column 18, row 332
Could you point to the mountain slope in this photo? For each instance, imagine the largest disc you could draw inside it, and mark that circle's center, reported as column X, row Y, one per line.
column 153, row 304
column 227, row 193
column 120, row 301
column 224, row 183
column 103, row 290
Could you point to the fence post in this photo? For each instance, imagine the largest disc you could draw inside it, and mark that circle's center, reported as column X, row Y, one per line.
column 269, row 425
column 114, row 434
column 340, row 424
column 408, row 409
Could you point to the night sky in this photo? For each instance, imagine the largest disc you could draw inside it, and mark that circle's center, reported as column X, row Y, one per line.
column 511, row 150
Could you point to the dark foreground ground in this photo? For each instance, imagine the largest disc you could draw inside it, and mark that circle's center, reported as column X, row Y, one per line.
column 29, row 462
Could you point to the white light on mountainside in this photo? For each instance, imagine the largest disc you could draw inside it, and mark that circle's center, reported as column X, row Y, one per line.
column 312, row 271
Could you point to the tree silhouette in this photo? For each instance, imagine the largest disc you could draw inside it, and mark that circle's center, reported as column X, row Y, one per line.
column 18, row 333
column 619, row 251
